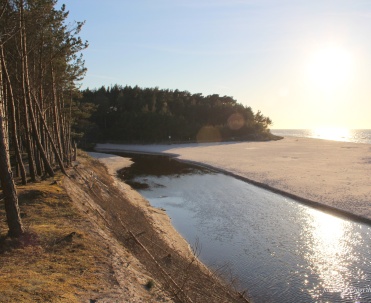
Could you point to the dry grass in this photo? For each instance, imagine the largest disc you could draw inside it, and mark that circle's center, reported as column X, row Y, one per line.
column 45, row 265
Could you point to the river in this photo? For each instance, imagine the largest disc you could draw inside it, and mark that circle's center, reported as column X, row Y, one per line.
column 279, row 249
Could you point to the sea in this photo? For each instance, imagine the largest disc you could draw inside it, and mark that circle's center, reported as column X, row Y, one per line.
column 335, row 134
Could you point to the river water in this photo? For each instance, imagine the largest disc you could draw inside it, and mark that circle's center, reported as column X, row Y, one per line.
column 280, row 250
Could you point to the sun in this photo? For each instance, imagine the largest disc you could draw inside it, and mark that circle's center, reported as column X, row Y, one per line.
column 331, row 67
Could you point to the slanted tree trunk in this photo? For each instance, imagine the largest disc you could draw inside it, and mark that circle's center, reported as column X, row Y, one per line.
column 9, row 190
column 12, row 117
column 37, row 140
column 7, row 183
column 56, row 154
column 56, row 120
column 27, row 96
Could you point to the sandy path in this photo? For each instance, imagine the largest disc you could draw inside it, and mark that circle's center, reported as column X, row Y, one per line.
column 336, row 174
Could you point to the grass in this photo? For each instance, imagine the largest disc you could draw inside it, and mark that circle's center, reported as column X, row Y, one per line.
column 45, row 265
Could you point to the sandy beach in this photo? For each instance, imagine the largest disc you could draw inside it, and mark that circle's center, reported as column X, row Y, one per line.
column 330, row 173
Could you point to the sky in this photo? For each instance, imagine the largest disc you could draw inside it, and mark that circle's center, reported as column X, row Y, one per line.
column 305, row 64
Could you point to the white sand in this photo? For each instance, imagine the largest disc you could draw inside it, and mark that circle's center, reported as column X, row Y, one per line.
column 112, row 162
column 337, row 174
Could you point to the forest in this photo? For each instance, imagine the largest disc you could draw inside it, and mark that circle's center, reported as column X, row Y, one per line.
column 41, row 66
column 153, row 115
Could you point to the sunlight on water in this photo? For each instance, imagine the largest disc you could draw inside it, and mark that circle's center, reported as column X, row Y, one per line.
column 329, row 243
column 337, row 134
column 332, row 133
column 280, row 250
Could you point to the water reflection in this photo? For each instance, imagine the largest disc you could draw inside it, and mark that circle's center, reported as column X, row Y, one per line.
column 329, row 243
column 281, row 250
column 332, row 133
column 151, row 165
column 347, row 135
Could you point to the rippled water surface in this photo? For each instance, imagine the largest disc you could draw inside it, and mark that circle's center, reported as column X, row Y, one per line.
column 281, row 250
column 335, row 134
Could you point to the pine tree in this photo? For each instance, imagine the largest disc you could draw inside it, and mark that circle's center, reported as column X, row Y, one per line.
column 39, row 68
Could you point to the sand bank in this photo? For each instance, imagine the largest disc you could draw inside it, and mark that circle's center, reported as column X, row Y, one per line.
column 159, row 218
column 153, row 226
column 335, row 174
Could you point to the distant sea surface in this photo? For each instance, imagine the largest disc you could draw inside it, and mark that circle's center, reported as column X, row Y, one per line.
column 335, row 134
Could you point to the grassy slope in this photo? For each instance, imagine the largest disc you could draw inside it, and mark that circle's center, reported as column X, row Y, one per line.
column 44, row 265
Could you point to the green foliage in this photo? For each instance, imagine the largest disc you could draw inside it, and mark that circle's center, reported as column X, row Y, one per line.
column 82, row 128
column 151, row 115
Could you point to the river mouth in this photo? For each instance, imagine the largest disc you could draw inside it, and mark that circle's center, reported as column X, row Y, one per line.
column 280, row 250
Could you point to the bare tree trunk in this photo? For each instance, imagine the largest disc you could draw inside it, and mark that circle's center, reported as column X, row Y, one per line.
column 7, row 183
column 68, row 132
column 38, row 162
column 56, row 121
column 31, row 163
column 57, row 155
column 40, row 99
column 13, row 119
column 74, row 151
column 62, row 120
column 37, row 140
column 27, row 97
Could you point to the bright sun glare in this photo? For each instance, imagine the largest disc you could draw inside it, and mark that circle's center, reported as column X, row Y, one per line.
column 330, row 67
column 332, row 133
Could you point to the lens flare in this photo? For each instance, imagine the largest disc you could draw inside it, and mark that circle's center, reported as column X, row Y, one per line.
column 235, row 121
column 208, row 134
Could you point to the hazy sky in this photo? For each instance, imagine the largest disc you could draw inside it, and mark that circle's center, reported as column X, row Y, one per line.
column 303, row 63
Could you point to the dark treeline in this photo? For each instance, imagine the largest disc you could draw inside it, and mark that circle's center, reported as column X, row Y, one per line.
column 134, row 114
column 40, row 64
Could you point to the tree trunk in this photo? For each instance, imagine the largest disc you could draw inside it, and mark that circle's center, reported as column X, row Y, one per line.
column 7, row 183
column 68, row 132
column 56, row 121
column 27, row 97
column 37, row 140
column 31, row 163
column 74, row 151
column 62, row 120
column 57, row 155
column 40, row 99
column 13, row 120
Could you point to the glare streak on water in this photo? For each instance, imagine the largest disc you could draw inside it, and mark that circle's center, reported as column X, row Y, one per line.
column 281, row 250
column 334, row 134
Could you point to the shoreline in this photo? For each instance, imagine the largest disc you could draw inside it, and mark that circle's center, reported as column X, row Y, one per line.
column 316, row 205
column 158, row 217
column 146, row 233
column 322, row 147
